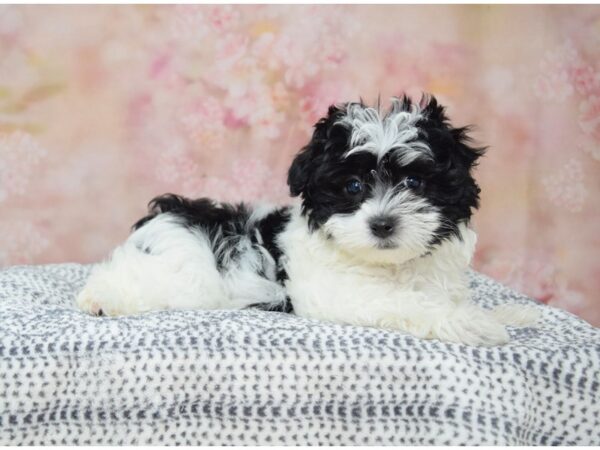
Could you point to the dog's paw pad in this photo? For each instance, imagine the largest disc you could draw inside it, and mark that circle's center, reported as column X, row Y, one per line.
column 96, row 309
column 90, row 304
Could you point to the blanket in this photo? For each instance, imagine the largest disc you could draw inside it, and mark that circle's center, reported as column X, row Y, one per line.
column 254, row 377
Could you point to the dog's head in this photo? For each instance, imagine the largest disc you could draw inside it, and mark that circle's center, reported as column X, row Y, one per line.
column 386, row 187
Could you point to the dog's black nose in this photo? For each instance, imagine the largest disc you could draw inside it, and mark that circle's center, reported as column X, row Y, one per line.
column 382, row 227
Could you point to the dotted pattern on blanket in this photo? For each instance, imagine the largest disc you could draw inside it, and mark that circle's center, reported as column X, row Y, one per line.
column 254, row 377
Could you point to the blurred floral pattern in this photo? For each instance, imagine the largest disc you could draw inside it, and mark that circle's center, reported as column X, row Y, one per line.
column 103, row 107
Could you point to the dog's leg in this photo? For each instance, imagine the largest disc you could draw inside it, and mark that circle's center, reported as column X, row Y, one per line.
column 440, row 318
column 517, row 315
column 471, row 324
column 162, row 265
column 115, row 286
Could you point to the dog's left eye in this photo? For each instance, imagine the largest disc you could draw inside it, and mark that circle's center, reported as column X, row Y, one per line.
column 413, row 182
column 354, row 187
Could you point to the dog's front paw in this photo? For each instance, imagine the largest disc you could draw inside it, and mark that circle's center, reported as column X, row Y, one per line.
column 517, row 315
column 485, row 333
column 472, row 326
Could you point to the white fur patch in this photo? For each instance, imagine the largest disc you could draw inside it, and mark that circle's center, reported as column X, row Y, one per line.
column 417, row 222
column 378, row 135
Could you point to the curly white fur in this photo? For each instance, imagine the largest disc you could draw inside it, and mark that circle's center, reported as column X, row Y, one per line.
column 396, row 131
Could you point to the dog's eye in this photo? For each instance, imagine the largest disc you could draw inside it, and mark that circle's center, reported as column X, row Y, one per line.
column 354, row 187
column 413, row 182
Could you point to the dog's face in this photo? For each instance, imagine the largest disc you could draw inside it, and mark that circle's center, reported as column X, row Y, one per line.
column 386, row 187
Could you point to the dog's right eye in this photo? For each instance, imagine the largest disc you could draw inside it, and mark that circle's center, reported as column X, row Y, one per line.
column 354, row 187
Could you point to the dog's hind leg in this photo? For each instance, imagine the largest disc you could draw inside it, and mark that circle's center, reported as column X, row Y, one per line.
column 162, row 265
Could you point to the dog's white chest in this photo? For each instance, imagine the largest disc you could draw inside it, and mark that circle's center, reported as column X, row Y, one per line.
column 328, row 285
column 324, row 285
column 322, row 291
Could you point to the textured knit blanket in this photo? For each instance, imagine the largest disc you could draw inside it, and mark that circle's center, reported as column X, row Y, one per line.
column 254, row 377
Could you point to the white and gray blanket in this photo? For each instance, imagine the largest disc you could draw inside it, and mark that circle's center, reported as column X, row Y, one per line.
column 254, row 377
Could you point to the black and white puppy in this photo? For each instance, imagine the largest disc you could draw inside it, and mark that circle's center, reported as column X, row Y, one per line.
column 380, row 237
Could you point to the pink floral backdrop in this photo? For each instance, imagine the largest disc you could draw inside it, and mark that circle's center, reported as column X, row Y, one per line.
column 103, row 107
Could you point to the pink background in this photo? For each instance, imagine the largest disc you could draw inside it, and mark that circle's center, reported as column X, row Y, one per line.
column 103, row 107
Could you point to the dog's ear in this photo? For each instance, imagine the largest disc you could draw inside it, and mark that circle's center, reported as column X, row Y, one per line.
column 464, row 148
column 301, row 168
column 465, row 157
column 299, row 172
column 456, row 156
column 461, row 151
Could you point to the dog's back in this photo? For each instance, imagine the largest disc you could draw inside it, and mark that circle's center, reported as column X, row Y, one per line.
column 192, row 254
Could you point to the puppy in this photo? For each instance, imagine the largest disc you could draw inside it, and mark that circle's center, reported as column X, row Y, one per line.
column 379, row 238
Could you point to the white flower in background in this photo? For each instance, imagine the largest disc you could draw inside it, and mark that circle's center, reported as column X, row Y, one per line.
column 231, row 50
column 563, row 55
column 188, row 23
column 20, row 153
column 253, row 104
column 261, row 48
column 203, row 122
column 554, row 82
column 191, row 24
column 565, row 188
column 175, row 166
column 310, row 45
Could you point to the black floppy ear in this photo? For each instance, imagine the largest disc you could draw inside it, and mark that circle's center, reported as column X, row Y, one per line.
column 455, row 158
column 301, row 168
column 463, row 159
column 299, row 172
